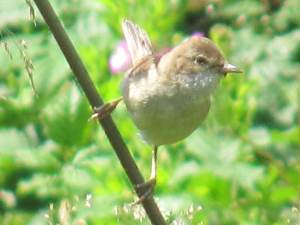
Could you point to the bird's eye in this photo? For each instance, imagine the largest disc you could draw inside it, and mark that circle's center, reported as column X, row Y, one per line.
column 200, row 60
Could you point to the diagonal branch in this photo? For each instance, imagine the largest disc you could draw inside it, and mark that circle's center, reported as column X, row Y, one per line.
column 95, row 100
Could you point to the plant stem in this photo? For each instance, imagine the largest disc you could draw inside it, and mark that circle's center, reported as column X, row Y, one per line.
column 95, row 100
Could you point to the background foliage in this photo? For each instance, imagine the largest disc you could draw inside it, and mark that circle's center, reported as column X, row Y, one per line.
column 240, row 167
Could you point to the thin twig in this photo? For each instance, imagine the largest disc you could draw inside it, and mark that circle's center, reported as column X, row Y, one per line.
column 95, row 100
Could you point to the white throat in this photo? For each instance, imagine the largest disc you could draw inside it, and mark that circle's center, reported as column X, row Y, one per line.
column 199, row 85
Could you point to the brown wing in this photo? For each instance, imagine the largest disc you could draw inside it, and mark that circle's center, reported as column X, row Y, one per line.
column 137, row 40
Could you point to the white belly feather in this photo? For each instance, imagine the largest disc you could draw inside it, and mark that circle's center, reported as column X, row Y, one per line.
column 166, row 112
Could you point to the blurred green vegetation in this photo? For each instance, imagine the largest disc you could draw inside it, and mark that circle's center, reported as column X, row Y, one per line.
column 241, row 166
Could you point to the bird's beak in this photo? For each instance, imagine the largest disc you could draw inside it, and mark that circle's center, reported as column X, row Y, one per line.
column 229, row 68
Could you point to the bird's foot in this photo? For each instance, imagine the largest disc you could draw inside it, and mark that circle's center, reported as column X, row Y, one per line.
column 105, row 110
column 146, row 189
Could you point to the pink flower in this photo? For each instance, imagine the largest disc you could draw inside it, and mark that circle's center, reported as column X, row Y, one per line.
column 197, row 34
column 120, row 60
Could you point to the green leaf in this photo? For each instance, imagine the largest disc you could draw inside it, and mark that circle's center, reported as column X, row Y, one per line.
column 66, row 118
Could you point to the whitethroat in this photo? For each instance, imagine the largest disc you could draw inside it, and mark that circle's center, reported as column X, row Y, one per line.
column 168, row 96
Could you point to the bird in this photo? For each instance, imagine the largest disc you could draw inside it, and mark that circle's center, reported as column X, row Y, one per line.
column 167, row 96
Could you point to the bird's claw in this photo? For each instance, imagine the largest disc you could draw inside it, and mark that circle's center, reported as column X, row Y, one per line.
column 146, row 188
column 104, row 110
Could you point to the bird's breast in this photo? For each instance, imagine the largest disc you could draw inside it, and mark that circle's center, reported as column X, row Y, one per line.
column 166, row 112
